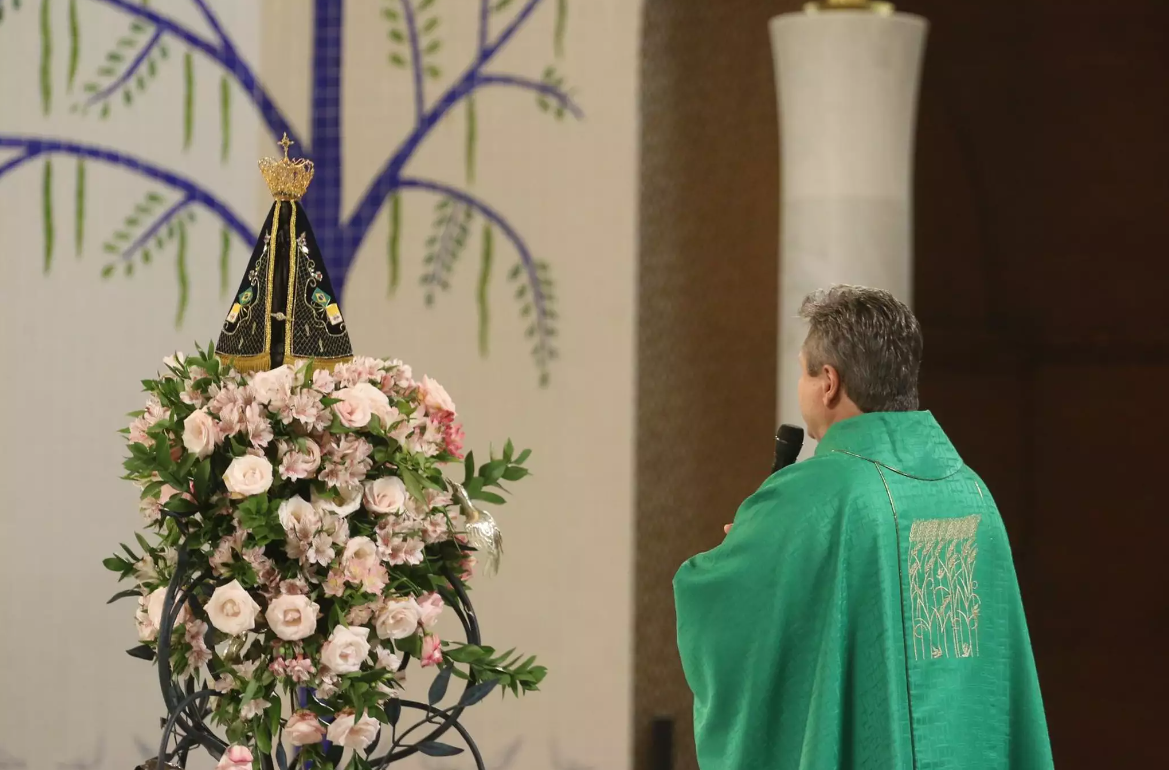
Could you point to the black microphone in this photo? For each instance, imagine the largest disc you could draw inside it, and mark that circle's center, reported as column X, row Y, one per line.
column 789, row 440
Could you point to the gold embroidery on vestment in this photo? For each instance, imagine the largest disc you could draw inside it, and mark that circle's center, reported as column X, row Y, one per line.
column 942, row 588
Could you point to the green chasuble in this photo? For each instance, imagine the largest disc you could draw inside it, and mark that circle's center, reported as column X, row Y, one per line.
column 863, row 612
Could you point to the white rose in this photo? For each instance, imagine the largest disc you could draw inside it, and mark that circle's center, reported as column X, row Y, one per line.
column 358, row 736
column 273, row 386
column 292, row 616
column 386, row 495
column 435, row 396
column 398, row 619
column 299, row 515
column 232, row 610
column 200, row 433
column 345, row 501
column 248, row 475
column 154, row 608
column 379, row 403
column 346, row 649
column 303, row 728
column 354, row 410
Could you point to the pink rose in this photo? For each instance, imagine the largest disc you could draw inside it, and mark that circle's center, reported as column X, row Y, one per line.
column 352, row 735
column 200, row 433
column 235, row 758
column 346, row 649
column 354, row 410
column 386, row 495
column 431, row 651
column 292, row 616
column 435, row 396
column 303, row 728
column 247, row 476
column 154, row 608
column 430, row 607
column 398, row 619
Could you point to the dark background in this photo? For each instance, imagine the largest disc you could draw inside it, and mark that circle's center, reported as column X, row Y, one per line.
column 1041, row 278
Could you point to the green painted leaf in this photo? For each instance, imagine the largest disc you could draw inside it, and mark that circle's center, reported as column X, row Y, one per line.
column 188, row 99
column 183, row 279
column 483, row 293
column 394, row 243
column 224, row 118
column 472, row 138
column 74, row 43
column 560, row 28
column 47, row 213
column 79, row 208
column 46, row 68
column 224, row 260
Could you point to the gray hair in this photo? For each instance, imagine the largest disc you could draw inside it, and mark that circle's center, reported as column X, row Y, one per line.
column 872, row 339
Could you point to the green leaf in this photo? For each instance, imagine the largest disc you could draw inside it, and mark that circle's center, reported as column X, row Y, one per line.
column 203, row 479
column 524, row 455
column 123, row 594
column 393, row 711
column 274, row 716
column 469, row 467
column 224, row 261
column 477, row 692
column 439, row 686
column 508, row 450
column 490, row 497
column 515, row 473
column 142, row 652
column 413, row 483
column 493, row 471
column 264, row 737
column 116, row 564
column 436, row 749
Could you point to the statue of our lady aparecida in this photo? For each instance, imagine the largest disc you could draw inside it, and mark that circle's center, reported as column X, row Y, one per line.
column 286, row 308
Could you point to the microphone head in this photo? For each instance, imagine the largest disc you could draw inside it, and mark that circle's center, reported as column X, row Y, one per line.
column 789, row 440
column 790, row 434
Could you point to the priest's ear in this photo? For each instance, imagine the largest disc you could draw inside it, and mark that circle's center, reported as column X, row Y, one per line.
column 833, row 387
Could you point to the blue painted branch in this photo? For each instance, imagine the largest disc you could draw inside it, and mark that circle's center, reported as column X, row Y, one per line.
column 226, row 56
column 496, row 219
column 484, row 21
column 536, row 86
column 19, row 159
column 198, row 194
column 387, row 178
column 415, row 59
column 216, row 27
column 128, row 72
column 167, row 215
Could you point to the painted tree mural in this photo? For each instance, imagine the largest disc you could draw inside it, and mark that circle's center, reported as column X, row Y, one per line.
column 157, row 226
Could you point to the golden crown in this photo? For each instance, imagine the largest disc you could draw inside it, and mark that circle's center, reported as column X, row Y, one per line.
column 287, row 180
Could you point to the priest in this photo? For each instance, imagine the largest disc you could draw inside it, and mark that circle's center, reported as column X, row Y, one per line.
column 863, row 610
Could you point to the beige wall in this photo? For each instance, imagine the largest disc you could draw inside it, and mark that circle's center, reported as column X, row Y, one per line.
column 77, row 346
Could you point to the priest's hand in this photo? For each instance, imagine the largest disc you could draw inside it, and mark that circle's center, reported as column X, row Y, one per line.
column 727, row 529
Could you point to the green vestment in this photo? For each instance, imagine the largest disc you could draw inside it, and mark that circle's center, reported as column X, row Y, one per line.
column 863, row 612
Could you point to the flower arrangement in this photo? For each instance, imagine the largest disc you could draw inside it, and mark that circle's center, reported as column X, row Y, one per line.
column 305, row 542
